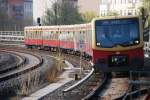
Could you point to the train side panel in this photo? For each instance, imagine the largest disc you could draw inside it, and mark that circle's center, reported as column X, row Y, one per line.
column 50, row 37
column 33, row 37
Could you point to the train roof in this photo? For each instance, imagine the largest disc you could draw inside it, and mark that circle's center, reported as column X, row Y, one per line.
column 115, row 17
column 58, row 26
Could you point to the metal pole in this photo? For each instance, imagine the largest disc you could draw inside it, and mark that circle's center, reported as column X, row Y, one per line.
column 81, row 63
column 56, row 4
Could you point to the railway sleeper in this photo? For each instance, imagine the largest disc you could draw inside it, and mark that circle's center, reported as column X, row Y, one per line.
column 93, row 84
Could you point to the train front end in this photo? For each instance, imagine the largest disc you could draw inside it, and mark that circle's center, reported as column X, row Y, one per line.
column 117, row 43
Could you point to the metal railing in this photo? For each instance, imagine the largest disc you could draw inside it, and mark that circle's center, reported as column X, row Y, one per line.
column 11, row 36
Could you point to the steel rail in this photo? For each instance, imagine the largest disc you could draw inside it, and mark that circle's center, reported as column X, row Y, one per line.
column 99, row 88
column 79, row 82
column 14, row 66
column 134, row 94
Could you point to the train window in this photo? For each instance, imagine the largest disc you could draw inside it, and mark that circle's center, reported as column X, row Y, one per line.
column 35, row 34
column 32, row 34
column 52, row 35
column 28, row 35
column 38, row 35
column 110, row 33
column 55, row 35
column 48, row 37
column 44, row 35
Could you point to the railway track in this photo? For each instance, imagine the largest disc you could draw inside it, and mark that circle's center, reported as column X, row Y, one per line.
column 133, row 94
column 11, row 66
column 66, row 56
column 94, row 95
column 83, row 87
column 93, row 87
column 109, row 89
column 30, row 62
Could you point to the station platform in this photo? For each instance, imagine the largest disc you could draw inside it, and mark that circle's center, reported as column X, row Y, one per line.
column 64, row 78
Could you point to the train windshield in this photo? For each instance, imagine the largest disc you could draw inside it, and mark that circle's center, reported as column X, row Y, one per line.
column 123, row 32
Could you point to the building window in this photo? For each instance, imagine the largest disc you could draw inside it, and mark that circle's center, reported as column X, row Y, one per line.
column 134, row 1
column 135, row 12
column 104, row 2
column 129, row 12
column 129, row 1
column 124, row 12
column 114, row 1
column 120, row 12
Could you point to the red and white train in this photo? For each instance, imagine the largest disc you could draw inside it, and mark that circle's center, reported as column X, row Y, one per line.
column 113, row 43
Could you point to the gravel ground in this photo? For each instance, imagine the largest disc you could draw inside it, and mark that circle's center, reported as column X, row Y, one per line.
column 77, row 94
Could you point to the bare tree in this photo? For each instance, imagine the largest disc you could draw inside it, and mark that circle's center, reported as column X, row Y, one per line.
column 62, row 13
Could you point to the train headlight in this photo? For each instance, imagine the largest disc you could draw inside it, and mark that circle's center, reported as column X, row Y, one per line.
column 136, row 42
column 98, row 44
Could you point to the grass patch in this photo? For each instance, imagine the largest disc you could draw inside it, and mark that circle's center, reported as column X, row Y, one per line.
column 54, row 71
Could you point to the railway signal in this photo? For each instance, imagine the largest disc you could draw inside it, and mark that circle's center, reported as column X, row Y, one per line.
column 39, row 21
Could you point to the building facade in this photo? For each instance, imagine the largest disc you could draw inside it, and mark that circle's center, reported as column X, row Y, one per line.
column 18, row 13
column 89, row 6
column 28, row 9
column 120, row 7
column 15, row 9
